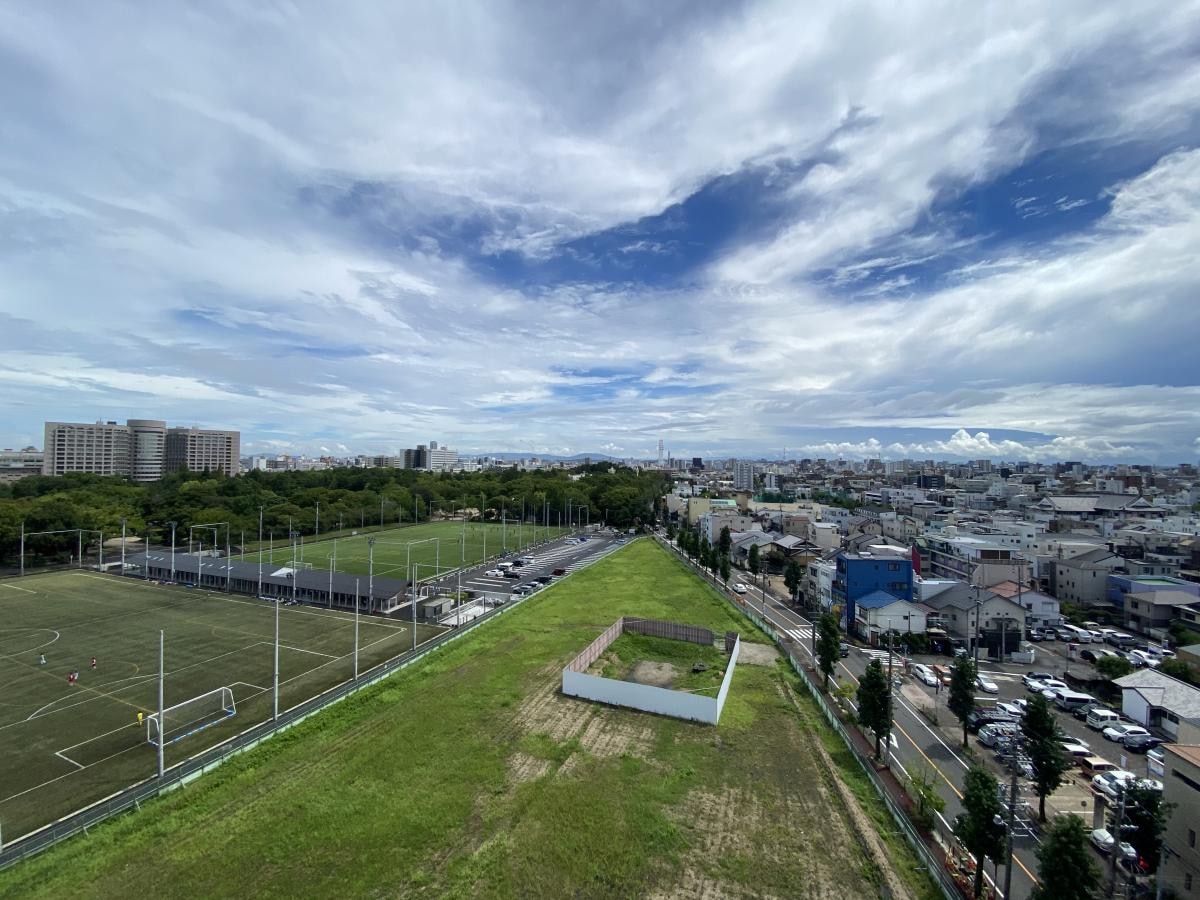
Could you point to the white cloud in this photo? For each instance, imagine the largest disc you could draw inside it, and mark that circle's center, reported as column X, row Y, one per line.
column 250, row 216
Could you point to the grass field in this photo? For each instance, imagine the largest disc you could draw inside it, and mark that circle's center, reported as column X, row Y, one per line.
column 628, row 650
column 392, row 550
column 64, row 746
column 470, row 775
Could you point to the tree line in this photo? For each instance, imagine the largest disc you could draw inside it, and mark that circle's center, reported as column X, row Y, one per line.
column 328, row 500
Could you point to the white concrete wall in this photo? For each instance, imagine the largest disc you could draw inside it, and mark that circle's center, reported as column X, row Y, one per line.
column 721, row 694
column 1135, row 707
column 645, row 697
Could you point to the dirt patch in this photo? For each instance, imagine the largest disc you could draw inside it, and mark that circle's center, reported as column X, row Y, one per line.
column 658, row 674
column 522, row 767
column 606, row 735
column 548, row 711
column 757, row 654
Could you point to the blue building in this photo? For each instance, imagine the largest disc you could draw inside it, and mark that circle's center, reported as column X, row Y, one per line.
column 886, row 569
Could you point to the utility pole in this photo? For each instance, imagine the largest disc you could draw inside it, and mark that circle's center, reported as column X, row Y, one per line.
column 1012, row 818
column 1118, row 830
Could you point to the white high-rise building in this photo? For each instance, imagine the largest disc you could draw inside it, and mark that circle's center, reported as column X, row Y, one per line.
column 202, row 450
column 743, row 475
column 141, row 449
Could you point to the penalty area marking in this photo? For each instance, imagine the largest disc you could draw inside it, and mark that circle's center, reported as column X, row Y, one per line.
column 60, row 755
column 13, row 587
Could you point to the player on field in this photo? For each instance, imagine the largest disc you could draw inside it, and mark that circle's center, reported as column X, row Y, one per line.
column 42, row 660
column 93, row 663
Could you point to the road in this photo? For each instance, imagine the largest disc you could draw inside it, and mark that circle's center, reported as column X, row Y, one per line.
column 568, row 553
column 917, row 745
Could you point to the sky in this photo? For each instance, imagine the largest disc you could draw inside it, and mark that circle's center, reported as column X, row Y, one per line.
column 747, row 229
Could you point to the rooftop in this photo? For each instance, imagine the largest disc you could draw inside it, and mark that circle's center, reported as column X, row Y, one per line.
column 1164, row 692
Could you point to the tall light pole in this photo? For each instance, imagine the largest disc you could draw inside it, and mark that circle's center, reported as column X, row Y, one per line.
column 356, row 605
column 172, row 563
column 370, row 572
column 317, row 523
column 260, row 523
column 23, row 548
column 161, row 723
column 122, row 546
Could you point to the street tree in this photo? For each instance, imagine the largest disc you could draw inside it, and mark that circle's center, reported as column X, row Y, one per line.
column 792, row 577
column 725, row 569
column 875, row 703
column 828, row 640
column 754, row 561
column 1049, row 760
column 1066, row 867
column 962, row 691
column 980, row 827
column 725, row 541
column 1112, row 667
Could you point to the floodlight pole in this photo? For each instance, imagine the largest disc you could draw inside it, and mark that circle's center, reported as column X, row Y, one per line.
column 172, row 552
column 317, row 523
column 294, row 572
column 122, row 546
column 79, row 564
column 22, row 548
column 356, row 601
column 370, row 571
column 260, row 512
column 161, row 723
column 414, row 608
column 228, row 559
column 332, row 560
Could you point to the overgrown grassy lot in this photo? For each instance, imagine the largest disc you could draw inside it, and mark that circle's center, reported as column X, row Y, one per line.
column 623, row 655
column 472, row 776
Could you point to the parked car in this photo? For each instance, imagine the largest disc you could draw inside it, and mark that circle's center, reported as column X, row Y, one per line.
column 1147, row 658
column 986, row 684
column 1140, row 743
column 1035, row 635
column 924, row 675
column 1122, row 730
column 1014, row 708
column 511, row 573
column 980, row 718
column 1102, row 840
column 494, row 573
column 1112, row 784
column 1032, row 679
column 1094, row 654
column 559, row 572
column 992, row 732
column 1050, row 688
column 1081, row 712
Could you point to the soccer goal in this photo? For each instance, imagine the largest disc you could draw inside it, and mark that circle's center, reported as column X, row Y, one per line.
column 186, row 718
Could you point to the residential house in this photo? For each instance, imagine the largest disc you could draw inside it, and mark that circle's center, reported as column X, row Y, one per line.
column 879, row 612
column 972, row 558
column 882, row 568
column 1154, row 700
column 1041, row 610
column 1082, row 579
column 965, row 611
column 1149, row 603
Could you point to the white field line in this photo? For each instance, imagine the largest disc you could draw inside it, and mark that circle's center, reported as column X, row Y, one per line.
column 257, row 687
column 13, row 587
column 302, row 650
column 60, row 755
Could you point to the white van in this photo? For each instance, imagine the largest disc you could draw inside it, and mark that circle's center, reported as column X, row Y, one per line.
column 504, row 566
column 1076, row 634
column 1070, row 700
column 1100, row 718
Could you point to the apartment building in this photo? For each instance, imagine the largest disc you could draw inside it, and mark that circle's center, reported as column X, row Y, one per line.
column 1181, row 787
column 743, row 476
column 141, row 449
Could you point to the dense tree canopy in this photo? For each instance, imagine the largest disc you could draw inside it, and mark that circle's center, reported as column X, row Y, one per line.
column 347, row 498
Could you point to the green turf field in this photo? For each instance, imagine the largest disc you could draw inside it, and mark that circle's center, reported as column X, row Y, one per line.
column 469, row 775
column 392, row 547
column 64, row 746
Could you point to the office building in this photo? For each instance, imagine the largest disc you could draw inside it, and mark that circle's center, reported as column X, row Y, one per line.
column 104, row 448
column 148, row 440
column 202, row 450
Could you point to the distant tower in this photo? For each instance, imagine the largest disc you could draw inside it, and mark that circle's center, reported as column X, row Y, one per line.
column 660, row 451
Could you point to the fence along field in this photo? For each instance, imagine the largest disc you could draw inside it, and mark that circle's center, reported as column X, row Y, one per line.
column 63, row 746
column 444, row 545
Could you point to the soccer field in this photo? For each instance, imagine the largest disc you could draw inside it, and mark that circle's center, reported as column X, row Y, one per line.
column 64, row 746
column 439, row 544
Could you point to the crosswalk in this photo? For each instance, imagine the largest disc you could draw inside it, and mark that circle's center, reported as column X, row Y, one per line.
column 800, row 635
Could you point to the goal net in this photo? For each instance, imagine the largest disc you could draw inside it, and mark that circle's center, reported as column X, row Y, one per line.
column 186, row 718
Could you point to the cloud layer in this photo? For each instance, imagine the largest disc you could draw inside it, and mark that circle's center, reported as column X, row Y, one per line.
column 865, row 231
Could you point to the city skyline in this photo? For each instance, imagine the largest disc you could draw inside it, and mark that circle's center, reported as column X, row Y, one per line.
column 856, row 232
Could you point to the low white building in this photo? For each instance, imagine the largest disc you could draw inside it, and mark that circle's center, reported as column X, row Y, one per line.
column 1155, row 700
column 879, row 612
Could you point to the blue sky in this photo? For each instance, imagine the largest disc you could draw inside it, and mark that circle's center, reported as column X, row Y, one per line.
column 938, row 231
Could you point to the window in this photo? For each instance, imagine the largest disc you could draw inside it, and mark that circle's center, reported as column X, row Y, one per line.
column 1191, row 837
column 1187, row 881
